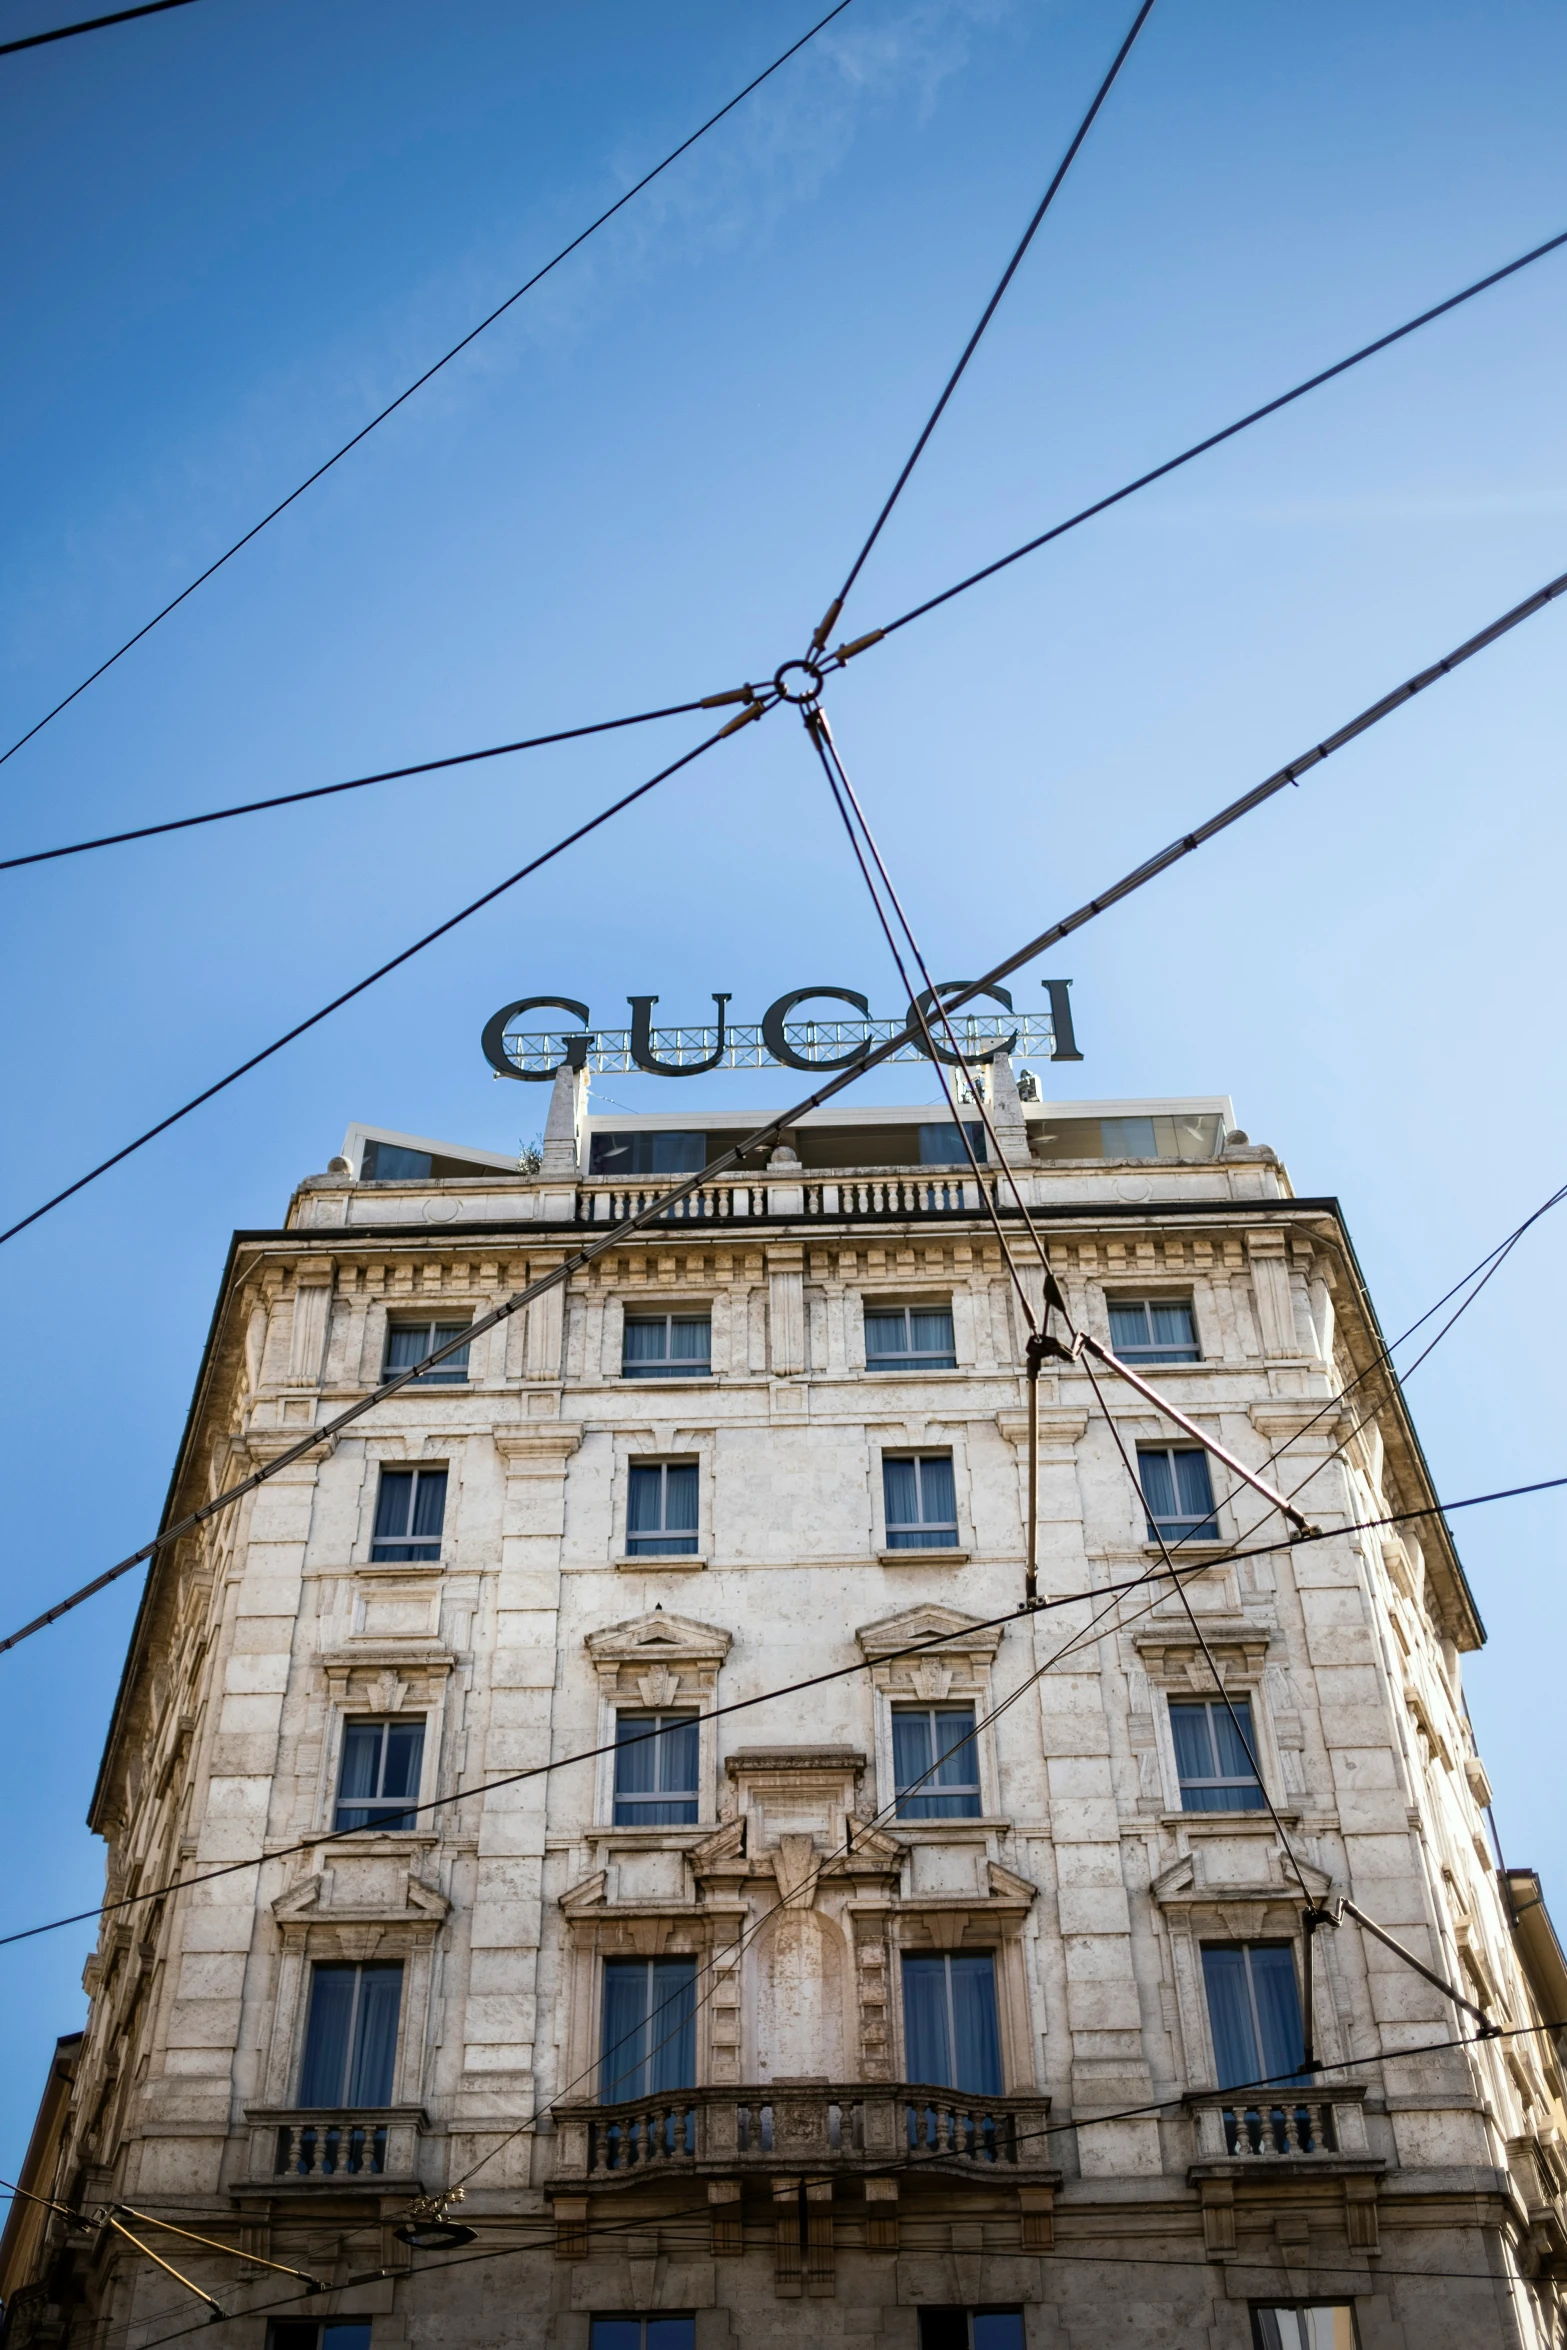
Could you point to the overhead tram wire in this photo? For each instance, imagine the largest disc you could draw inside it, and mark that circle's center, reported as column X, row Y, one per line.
column 420, row 381
column 1134, row 1583
column 1045, row 538
column 1214, row 440
column 756, row 706
column 327, row 791
column 382, row 971
column 666, row 2223
column 1127, row 886
column 90, row 24
column 830, row 618
column 1314, row 1915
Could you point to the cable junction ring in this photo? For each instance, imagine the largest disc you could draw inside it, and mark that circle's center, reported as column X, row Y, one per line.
column 813, row 680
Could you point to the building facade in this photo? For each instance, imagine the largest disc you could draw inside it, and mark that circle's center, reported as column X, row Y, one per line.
column 619, row 1783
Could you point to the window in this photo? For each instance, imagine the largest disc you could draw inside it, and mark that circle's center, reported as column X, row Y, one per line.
column 909, row 1338
column 1212, row 1756
column 942, row 1145
column 381, row 1762
column 951, row 2038
column 1323, row 2325
column 971, row 2329
column 656, row 1758
column 667, row 1346
column 922, row 1501
column 1153, row 1330
column 649, row 2027
column 1128, row 1138
column 643, row 2333
column 410, row 1511
column 410, row 1342
column 647, row 1154
column 1179, row 1495
column 661, row 1516
column 393, row 1162
column 312, row 2333
column 943, row 1736
column 351, row 2035
column 1253, row 2009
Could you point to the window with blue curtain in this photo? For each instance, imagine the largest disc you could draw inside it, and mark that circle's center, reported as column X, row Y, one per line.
column 1212, row 1758
column 951, row 2034
column 1178, row 1493
column 410, row 1512
column 351, row 2035
column 661, row 1510
column 971, row 2329
column 935, row 1762
column 410, row 1342
column 909, row 1338
column 1153, row 1330
column 649, row 2038
column 380, row 1774
column 921, row 1497
column 642, row 2333
column 1253, row 2011
column 667, row 1346
column 656, row 1759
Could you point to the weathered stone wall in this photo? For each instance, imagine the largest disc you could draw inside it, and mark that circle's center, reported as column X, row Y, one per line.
column 798, row 1888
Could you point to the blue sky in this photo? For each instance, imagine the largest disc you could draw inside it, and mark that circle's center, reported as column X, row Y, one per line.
column 237, row 229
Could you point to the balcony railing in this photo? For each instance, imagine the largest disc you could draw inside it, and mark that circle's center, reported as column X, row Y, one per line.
column 829, row 2129
column 306, row 2147
column 1261, row 2130
column 893, row 1196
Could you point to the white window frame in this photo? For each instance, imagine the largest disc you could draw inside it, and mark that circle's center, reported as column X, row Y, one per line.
column 667, row 1312
column 923, row 1451
column 1150, row 1354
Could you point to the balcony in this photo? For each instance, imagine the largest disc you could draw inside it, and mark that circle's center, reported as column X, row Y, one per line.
column 890, row 1195
column 304, row 2150
column 826, row 2130
column 1325, row 2130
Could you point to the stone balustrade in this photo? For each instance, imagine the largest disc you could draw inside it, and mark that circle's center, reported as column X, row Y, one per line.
column 306, row 2147
column 896, row 1195
column 823, row 2128
column 1316, row 2125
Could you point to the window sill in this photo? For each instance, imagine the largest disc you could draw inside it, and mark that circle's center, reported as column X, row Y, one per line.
column 924, row 1558
column 1204, row 1553
column 665, row 1562
column 974, row 1830
column 681, row 1378
column 377, row 1840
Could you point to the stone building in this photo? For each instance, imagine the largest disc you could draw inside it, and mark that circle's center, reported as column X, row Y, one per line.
column 907, row 2006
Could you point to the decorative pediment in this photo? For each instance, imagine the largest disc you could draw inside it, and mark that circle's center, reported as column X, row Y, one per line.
column 658, row 1639
column 725, row 1845
column 956, row 1642
column 1237, row 1867
column 1172, row 1654
column 945, row 1918
column 661, row 1659
column 364, row 1905
column 589, row 1893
